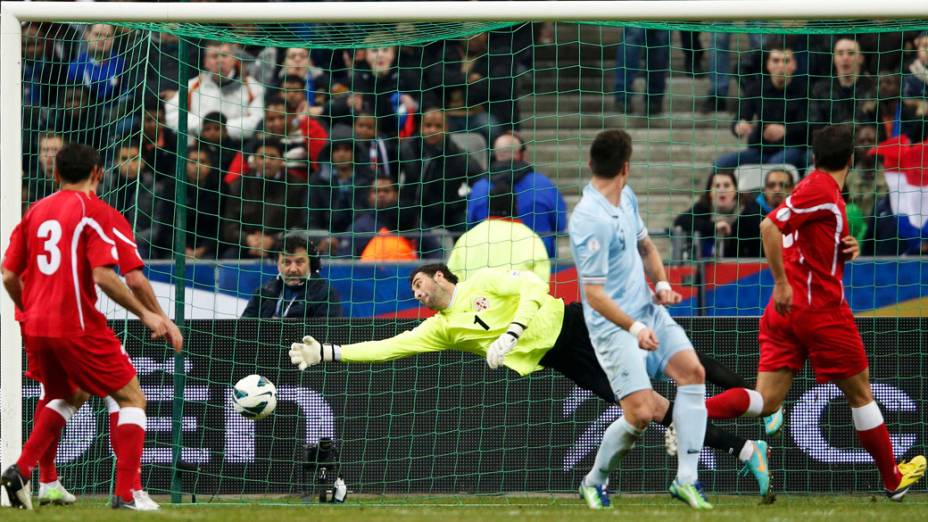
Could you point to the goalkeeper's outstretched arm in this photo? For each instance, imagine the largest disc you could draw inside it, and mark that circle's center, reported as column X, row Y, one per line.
column 429, row 336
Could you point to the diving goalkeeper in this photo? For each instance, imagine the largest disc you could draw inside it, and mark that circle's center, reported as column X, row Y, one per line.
column 509, row 318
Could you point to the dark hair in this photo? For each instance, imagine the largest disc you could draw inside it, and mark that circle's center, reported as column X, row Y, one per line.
column 609, row 153
column 130, row 144
column 274, row 99
column 433, row 268
column 215, row 117
column 292, row 78
column 833, row 147
column 75, row 161
column 771, row 171
column 706, row 198
column 290, row 243
column 270, row 142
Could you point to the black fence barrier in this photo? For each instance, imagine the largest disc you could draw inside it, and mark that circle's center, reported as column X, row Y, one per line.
column 445, row 423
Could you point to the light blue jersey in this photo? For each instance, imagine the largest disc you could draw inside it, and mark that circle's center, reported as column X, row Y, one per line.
column 604, row 243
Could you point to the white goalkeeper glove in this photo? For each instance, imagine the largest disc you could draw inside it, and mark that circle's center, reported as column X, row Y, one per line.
column 497, row 351
column 310, row 352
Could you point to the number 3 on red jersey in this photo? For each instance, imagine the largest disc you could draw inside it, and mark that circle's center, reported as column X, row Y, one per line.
column 49, row 261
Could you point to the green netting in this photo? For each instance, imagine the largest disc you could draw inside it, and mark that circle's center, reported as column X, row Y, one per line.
column 376, row 142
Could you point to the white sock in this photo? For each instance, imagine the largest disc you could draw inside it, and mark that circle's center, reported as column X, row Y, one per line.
column 746, row 451
column 689, row 418
column 619, row 437
column 756, row 406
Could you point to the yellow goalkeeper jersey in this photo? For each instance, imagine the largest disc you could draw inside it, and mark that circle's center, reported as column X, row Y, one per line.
column 480, row 311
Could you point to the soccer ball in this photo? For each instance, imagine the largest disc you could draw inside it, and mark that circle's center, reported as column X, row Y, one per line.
column 254, row 397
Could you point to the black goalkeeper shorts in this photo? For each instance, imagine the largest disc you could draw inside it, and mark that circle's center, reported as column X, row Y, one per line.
column 574, row 358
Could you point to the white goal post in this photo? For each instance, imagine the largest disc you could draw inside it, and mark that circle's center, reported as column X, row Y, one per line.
column 12, row 14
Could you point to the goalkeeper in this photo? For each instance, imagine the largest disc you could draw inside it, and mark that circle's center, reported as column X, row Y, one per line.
column 510, row 318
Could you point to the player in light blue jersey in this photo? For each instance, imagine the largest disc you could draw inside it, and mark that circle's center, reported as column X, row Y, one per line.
column 633, row 336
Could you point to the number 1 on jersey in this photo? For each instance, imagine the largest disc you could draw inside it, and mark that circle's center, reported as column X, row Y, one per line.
column 478, row 320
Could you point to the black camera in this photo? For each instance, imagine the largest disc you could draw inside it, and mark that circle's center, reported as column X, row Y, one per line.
column 320, row 472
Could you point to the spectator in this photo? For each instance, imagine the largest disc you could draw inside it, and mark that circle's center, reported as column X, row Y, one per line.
column 216, row 141
column 340, row 187
column 298, row 291
column 381, row 153
column 715, row 217
column 262, row 205
column 163, row 75
column 720, row 56
column 384, row 89
column 894, row 118
column 539, row 203
column 376, row 232
column 222, row 86
column 843, row 98
column 778, row 184
column 302, row 124
column 42, row 66
column 43, row 183
column 773, row 117
column 500, row 241
column 144, row 199
column 470, row 81
column 203, row 197
column 98, row 66
column 436, row 175
column 656, row 46
column 915, row 85
column 159, row 143
column 298, row 63
column 75, row 119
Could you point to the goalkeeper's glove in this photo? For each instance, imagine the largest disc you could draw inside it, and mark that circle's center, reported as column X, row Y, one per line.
column 310, row 352
column 503, row 345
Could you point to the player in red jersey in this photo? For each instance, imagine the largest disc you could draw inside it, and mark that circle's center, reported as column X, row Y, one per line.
column 57, row 253
column 51, row 491
column 807, row 242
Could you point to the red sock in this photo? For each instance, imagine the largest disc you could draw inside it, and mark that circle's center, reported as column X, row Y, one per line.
column 729, row 404
column 47, row 470
column 129, row 438
column 114, row 421
column 876, row 442
column 45, row 431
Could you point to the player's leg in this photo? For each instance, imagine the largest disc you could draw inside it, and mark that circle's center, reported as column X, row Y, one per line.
column 738, row 399
column 874, row 437
column 621, row 362
column 47, row 425
column 752, row 453
column 138, row 494
column 128, row 437
column 101, row 367
column 51, row 490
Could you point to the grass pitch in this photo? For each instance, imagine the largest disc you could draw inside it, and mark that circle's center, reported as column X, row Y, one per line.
column 638, row 508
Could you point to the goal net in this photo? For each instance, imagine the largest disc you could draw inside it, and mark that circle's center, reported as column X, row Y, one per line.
column 375, row 147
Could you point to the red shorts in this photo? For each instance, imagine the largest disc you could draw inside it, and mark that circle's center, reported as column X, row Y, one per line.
column 829, row 338
column 94, row 362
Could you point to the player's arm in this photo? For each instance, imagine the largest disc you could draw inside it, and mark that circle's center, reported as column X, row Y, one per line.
column 142, row 290
column 532, row 291
column 14, row 287
column 427, row 337
column 14, row 263
column 112, row 286
column 654, row 269
column 600, row 301
column 772, row 238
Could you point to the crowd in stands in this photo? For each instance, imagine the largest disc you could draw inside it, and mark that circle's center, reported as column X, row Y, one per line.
column 383, row 153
